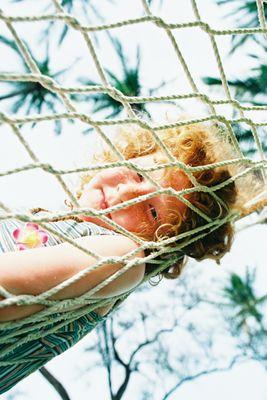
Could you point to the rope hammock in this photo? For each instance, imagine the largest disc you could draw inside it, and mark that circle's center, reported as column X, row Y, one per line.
column 86, row 302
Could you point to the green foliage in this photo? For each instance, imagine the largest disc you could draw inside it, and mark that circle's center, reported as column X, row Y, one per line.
column 251, row 89
column 150, row 2
column 247, row 88
column 87, row 7
column 246, row 316
column 128, row 83
column 32, row 96
column 243, row 301
column 245, row 14
column 246, row 140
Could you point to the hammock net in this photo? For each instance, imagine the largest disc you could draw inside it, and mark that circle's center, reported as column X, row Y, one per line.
column 86, row 302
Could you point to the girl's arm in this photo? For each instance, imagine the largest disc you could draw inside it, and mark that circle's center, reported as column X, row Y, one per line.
column 38, row 270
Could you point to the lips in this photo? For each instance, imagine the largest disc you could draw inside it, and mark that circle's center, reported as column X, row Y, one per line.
column 104, row 204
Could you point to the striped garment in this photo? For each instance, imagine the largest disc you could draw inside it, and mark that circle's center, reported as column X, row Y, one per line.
column 28, row 357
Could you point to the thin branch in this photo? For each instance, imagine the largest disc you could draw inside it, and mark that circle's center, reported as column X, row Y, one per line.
column 116, row 354
column 199, row 374
column 127, row 368
column 147, row 342
column 55, row 383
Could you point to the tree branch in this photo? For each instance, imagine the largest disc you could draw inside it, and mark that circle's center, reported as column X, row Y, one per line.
column 124, row 384
column 199, row 374
column 116, row 354
column 147, row 342
column 55, row 383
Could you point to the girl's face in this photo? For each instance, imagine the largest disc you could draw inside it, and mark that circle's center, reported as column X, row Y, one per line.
column 115, row 185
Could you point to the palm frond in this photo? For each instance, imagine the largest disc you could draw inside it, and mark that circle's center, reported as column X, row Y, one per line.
column 32, row 96
column 128, row 83
column 243, row 300
column 245, row 14
column 13, row 46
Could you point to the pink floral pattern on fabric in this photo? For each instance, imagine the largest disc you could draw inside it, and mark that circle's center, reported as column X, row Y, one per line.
column 29, row 236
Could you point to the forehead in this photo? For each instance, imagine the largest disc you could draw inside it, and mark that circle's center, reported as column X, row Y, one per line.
column 167, row 177
column 150, row 160
column 145, row 161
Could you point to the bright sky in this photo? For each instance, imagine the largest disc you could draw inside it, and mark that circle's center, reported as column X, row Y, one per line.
column 70, row 149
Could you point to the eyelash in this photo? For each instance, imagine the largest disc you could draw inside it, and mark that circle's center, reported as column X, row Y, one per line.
column 153, row 212
column 151, row 208
column 140, row 176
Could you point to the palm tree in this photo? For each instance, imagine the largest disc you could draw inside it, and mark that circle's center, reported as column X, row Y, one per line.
column 70, row 7
column 128, row 83
column 243, row 301
column 247, row 319
column 248, row 89
column 253, row 90
column 32, row 96
column 87, row 9
column 245, row 14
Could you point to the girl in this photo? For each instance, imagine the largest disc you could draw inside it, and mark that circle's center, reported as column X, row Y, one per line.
column 36, row 270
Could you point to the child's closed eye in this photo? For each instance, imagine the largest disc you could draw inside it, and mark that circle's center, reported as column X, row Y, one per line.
column 153, row 212
column 141, row 178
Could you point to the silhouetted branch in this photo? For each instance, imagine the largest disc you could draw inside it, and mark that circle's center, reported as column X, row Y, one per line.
column 199, row 374
column 55, row 383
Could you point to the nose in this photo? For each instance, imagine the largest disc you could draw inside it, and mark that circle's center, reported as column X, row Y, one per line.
column 130, row 191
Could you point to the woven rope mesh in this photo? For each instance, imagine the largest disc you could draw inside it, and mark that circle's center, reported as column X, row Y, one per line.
column 86, row 302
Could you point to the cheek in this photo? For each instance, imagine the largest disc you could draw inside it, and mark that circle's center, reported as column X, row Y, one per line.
column 177, row 210
column 91, row 198
column 126, row 218
column 135, row 221
column 129, row 218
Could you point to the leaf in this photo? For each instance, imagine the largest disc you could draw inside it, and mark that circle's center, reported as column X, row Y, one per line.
column 12, row 44
column 241, row 295
column 246, row 16
column 63, row 34
column 32, row 96
column 212, row 81
column 18, row 104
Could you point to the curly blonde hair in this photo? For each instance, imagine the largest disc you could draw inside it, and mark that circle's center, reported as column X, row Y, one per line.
column 194, row 145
